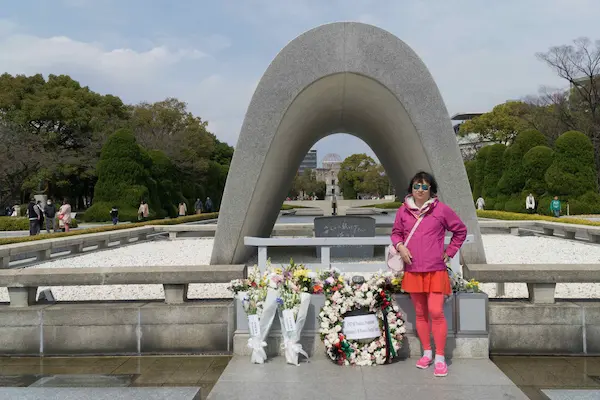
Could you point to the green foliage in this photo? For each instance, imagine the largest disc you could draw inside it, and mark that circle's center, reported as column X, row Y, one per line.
column 170, row 221
column 535, row 164
column 480, row 161
column 494, row 166
column 22, row 224
column 513, row 178
column 359, row 173
column 508, row 216
column 123, row 172
column 502, row 124
column 572, row 171
column 471, row 168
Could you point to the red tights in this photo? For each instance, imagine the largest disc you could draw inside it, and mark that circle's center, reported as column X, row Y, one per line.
column 430, row 305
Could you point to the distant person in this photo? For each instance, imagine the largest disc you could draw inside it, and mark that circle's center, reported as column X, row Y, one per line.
column 334, row 204
column 16, row 210
column 198, row 206
column 34, row 213
column 182, row 209
column 480, row 203
column 530, row 204
column 114, row 215
column 143, row 211
column 208, row 205
column 64, row 216
column 555, row 207
column 50, row 214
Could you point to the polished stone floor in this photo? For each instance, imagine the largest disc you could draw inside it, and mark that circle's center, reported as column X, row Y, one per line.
column 553, row 378
column 196, row 371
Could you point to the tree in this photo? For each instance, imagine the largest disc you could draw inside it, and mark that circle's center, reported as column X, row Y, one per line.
column 494, row 166
column 123, row 178
column 572, row 172
column 501, row 125
column 65, row 124
column 579, row 65
column 513, row 178
column 535, row 164
column 352, row 174
column 480, row 161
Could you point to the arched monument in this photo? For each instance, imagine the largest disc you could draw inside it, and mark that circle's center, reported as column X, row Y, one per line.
column 341, row 77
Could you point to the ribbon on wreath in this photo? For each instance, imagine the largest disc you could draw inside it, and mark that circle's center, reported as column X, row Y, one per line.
column 386, row 303
column 258, row 352
column 343, row 347
column 292, row 349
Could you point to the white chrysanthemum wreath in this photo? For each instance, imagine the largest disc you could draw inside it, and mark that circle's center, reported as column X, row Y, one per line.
column 361, row 340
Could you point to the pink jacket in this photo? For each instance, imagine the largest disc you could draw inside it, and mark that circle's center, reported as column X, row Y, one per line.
column 427, row 243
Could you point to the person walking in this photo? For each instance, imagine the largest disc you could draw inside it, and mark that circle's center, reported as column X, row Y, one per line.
column 182, row 209
column 425, row 272
column 334, row 204
column 34, row 214
column 114, row 215
column 198, row 206
column 555, row 207
column 208, row 205
column 50, row 214
column 64, row 216
column 530, row 204
column 480, row 203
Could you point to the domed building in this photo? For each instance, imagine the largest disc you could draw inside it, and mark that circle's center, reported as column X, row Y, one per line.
column 329, row 174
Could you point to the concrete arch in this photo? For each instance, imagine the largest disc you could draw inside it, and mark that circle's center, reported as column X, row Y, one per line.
column 340, row 77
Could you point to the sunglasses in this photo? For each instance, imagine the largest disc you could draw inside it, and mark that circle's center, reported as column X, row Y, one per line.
column 424, row 186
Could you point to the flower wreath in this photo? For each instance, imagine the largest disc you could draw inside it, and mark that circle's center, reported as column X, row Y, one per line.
column 373, row 295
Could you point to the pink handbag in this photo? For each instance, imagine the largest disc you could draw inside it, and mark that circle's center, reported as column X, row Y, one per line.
column 394, row 261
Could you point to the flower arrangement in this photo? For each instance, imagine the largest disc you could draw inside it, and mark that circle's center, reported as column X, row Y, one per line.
column 373, row 301
column 459, row 284
column 258, row 296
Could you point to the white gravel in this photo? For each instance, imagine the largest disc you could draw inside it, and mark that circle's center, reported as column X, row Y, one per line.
column 499, row 249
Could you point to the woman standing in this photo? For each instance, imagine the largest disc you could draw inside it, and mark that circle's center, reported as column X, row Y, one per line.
column 64, row 215
column 425, row 275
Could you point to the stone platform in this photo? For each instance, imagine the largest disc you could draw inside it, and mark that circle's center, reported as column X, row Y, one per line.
column 149, row 393
column 322, row 379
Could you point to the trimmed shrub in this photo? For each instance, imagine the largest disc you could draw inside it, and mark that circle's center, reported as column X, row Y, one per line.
column 589, row 203
column 515, row 204
column 513, row 178
column 494, row 166
column 108, row 228
column 22, row 224
column 503, row 215
column 535, row 164
column 471, row 168
column 572, row 172
column 123, row 176
column 480, row 161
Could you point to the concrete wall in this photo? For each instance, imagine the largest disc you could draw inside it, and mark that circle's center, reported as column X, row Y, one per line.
column 515, row 327
column 566, row 327
column 116, row 328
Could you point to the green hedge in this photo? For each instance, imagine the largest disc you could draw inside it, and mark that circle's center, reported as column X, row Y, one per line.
column 172, row 221
column 22, row 224
column 508, row 216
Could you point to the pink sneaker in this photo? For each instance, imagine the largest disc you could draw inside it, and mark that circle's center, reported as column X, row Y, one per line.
column 440, row 369
column 424, row 362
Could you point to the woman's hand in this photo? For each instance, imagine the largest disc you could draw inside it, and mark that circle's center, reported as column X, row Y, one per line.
column 445, row 258
column 404, row 253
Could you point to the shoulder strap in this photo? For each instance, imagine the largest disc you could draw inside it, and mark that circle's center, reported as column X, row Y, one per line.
column 414, row 228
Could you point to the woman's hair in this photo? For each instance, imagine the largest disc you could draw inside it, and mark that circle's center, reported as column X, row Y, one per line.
column 423, row 176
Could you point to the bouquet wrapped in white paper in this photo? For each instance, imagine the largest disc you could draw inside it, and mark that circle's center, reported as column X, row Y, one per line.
column 294, row 299
column 292, row 315
column 260, row 304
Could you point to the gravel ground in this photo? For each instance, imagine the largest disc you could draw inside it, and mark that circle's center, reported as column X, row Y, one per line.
column 499, row 249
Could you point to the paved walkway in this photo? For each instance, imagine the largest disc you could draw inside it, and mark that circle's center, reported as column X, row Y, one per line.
column 321, row 379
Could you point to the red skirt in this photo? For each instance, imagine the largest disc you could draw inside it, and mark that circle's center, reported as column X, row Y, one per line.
column 427, row 282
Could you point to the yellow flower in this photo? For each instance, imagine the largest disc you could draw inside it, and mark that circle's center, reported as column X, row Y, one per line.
column 395, row 281
column 278, row 271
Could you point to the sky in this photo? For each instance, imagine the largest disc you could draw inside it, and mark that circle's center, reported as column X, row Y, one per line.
column 211, row 54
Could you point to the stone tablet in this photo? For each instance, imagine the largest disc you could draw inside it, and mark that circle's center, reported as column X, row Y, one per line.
column 346, row 226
